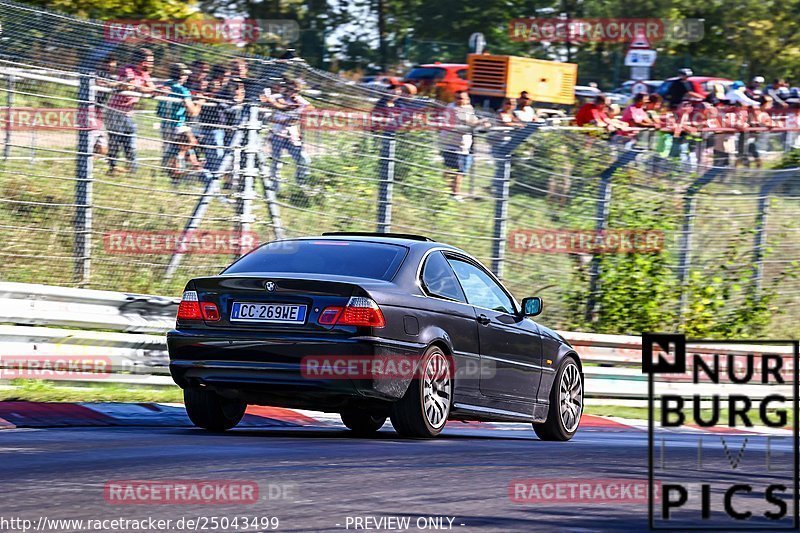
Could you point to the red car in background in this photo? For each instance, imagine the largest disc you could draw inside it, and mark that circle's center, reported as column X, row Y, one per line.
column 440, row 80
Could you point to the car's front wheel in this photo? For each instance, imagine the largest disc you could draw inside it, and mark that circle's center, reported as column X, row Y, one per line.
column 566, row 403
column 362, row 423
column 209, row 410
column 423, row 411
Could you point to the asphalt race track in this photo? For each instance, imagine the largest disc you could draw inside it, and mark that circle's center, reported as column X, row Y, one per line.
column 328, row 475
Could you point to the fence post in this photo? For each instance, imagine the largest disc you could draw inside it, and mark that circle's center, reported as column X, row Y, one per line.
column 501, row 187
column 502, row 177
column 603, row 204
column 760, row 239
column 9, row 104
column 386, row 165
column 684, row 256
column 246, row 218
column 83, row 183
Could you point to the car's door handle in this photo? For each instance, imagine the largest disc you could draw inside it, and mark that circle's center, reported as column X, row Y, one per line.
column 483, row 320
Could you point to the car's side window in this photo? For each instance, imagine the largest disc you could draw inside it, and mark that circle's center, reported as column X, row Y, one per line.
column 439, row 279
column 480, row 288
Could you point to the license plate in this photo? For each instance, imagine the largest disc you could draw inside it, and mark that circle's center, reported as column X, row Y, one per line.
column 275, row 313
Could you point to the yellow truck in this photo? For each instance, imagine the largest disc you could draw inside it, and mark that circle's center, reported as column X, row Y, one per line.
column 494, row 77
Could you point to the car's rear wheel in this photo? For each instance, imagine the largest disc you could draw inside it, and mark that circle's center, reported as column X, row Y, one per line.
column 361, row 422
column 209, row 410
column 566, row 403
column 422, row 412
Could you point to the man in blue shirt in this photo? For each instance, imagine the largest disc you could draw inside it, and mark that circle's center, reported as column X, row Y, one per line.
column 174, row 111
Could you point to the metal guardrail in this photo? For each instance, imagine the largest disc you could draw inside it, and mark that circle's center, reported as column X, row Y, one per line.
column 128, row 329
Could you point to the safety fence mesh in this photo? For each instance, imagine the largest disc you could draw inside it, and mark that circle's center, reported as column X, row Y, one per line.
column 685, row 245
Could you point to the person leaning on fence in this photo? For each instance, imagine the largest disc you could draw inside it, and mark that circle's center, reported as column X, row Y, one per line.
column 179, row 141
column 596, row 114
column 286, row 135
column 383, row 117
column 135, row 80
column 778, row 91
column 455, row 140
column 106, row 78
column 681, row 125
column 524, row 112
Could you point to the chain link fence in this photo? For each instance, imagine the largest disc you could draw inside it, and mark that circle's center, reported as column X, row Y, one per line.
column 118, row 183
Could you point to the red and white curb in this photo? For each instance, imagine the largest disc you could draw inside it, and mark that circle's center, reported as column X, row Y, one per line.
column 35, row 415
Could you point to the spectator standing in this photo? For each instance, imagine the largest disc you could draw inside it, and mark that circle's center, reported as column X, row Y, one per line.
column 231, row 115
column 524, row 112
column 286, row 134
column 121, row 124
column 198, row 79
column 680, row 88
column 722, row 120
column 737, row 94
column 455, row 141
column 635, row 115
column 175, row 113
column 106, row 78
column 212, row 134
column 596, row 113
column 506, row 115
column 777, row 92
column 754, row 91
column 592, row 113
column 383, row 114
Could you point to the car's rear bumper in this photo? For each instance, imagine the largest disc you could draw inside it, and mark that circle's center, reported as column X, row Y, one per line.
column 273, row 368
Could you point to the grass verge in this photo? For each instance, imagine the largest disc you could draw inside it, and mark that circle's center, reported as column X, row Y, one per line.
column 30, row 390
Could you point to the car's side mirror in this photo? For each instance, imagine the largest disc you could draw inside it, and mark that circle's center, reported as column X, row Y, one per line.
column 531, row 306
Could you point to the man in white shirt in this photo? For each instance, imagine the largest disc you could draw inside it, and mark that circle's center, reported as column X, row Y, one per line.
column 455, row 140
column 524, row 112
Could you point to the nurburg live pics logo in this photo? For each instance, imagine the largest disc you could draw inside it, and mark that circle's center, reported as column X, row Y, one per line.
column 723, row 445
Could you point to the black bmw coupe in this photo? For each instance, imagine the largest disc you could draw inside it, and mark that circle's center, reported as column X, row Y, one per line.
column 371, row 326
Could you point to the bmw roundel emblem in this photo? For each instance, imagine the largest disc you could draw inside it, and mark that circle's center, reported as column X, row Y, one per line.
column 270, row 286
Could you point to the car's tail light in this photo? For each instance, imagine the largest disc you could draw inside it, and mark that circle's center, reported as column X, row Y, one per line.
column 359, row 311
column 210, row 311
column 189, row 308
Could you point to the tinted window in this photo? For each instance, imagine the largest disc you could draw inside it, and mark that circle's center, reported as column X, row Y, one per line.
column 480, row 288
column 439, row 279
column 342, row 258
column 462, row 73
column 425, row 73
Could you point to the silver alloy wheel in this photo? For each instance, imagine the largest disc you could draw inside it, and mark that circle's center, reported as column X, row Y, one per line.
column 571, row 397
column 436, row 389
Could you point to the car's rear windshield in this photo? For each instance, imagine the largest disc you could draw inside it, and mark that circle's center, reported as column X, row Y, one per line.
column 324, row 256
column 425, row 73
